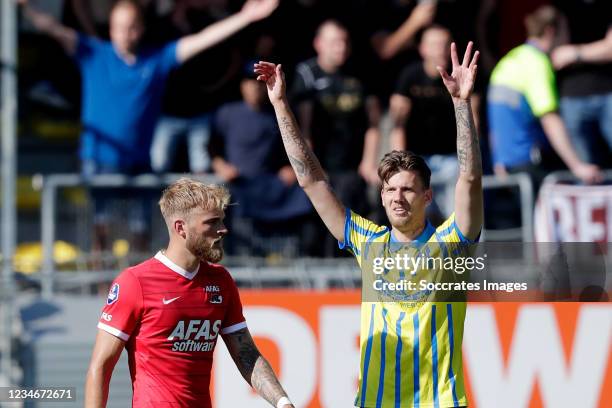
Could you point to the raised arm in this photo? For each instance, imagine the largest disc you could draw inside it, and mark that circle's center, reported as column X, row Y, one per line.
column 390, row 45
column 45, row 23
column 468, row 192
column 106, row 353
column 308, row 170
column 254, row 367
column 595, row 52
column 253, row 10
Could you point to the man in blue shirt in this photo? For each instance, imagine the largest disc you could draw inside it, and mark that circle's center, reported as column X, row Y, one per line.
column 123, row 81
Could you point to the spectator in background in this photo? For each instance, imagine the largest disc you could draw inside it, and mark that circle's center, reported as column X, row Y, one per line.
column 499, row 27
column 248, row 154
column 586, row 78
column 334, row 104
column 423, row 113
column 522, row 106
column 123, row 83
column 391, row 30
column 194, row 90
column 92, row 16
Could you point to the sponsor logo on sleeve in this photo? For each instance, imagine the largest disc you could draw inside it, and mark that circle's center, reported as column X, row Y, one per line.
column 113, row 294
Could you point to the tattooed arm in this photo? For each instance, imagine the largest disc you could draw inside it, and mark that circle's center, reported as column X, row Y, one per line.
column 254, row 367
column 308, row 170
column 468, row 192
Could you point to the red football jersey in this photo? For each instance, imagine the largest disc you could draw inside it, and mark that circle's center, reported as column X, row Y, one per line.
column 170, row 320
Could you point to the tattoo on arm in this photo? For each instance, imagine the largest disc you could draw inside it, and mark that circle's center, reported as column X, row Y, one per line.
column 468, row 145
column 254, row 367
column 302, row 159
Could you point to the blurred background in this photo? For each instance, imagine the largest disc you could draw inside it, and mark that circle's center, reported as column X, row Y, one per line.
column 79, row 202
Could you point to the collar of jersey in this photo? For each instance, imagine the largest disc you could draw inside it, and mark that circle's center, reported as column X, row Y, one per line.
column 422, row 238
column 166, row 261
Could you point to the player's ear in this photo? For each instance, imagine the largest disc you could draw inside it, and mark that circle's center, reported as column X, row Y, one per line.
column 428, row 196
column 179, row 227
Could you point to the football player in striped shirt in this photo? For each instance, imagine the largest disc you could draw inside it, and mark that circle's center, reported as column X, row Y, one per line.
column 410, row 351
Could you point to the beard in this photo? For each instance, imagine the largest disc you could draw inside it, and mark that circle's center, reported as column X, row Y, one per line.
column 209, row 252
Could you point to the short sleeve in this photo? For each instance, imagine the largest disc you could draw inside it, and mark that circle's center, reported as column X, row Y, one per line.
column 234, row 319
column 358, row 230
column 86, row 48
column 123, row 307
column 541, row 88
column 168, row 57
column 449, row 232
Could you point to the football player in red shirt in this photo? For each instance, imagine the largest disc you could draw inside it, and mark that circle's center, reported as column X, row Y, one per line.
column 169, row 311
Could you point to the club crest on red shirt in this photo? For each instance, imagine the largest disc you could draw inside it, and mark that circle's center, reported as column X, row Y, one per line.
column 113, row 294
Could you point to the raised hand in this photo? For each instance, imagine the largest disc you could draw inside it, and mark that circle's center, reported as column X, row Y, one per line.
column 460, row 83
column 257, row 10
column 274, row 77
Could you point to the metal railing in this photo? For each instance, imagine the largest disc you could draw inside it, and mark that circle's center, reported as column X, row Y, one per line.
column 568, row 177
column 526, row 201
column 8, row 123
column 306, row 273
column 51, row 183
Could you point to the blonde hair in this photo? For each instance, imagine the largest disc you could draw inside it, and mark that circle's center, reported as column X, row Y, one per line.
column 184, row 195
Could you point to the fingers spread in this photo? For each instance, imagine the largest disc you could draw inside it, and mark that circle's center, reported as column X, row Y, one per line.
column 468, row 53
column 443, row 73
column 454, row 58
column 474, row 59
column 266, row 64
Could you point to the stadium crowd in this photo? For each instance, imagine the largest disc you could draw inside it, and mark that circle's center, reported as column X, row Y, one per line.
column 165, row 83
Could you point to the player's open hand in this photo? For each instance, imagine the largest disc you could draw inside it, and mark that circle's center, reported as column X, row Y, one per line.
column 460, row 83
column 274, row 77
column 257, row 10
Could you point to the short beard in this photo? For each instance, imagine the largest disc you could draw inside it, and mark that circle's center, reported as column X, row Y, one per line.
column 203, row 251
column 401, row 223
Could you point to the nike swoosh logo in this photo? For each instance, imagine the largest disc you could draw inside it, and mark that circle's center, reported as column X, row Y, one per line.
column 167, row 302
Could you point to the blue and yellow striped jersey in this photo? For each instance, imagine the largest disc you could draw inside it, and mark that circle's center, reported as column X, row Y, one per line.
column 410, row 352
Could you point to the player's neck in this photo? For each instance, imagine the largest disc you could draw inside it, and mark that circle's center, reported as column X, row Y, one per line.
column 410, row 232
column 430, row 69
column 328, row 68
column 182, row 257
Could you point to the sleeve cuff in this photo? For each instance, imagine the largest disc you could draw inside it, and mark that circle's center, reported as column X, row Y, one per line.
column 462, row 237
column 346, row 242
column 115, row 332
column 234, row 328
